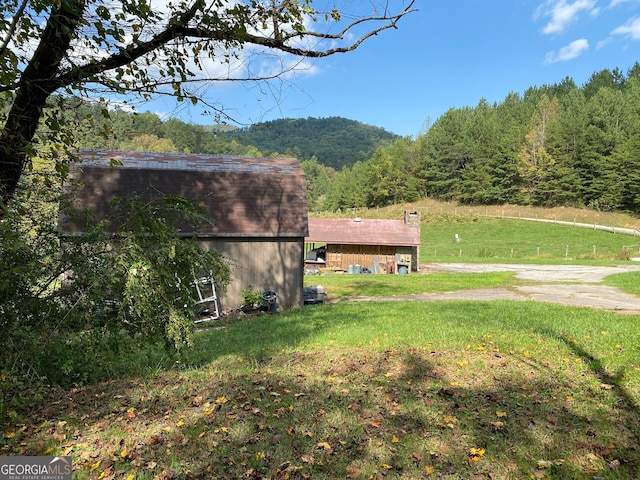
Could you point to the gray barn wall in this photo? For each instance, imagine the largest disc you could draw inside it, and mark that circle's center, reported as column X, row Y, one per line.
column 266, row 264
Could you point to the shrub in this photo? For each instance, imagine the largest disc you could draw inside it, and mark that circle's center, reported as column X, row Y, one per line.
column 69, row 307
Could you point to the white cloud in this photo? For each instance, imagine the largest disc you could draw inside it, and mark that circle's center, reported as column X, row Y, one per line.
column 562, row 13
column 615, row 3
column 568, row 52
column 631, row 29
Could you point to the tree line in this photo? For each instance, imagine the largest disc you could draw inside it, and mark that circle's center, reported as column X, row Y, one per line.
column 335, row 141
column 554, row 145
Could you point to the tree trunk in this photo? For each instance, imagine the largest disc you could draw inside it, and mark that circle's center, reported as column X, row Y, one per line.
column 38, row 81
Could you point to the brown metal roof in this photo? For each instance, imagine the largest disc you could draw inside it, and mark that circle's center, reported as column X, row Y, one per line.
column 246, row 197
column 349, row 231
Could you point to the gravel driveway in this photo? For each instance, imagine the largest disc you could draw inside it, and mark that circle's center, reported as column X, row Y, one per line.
column 575, row 285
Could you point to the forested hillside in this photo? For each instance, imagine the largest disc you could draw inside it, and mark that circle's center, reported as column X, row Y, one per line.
column 334, row 142
column 553, row 145
column 559, row 144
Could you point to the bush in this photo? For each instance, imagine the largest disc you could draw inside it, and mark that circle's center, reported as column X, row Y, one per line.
column 80, row 309
column 623, row 254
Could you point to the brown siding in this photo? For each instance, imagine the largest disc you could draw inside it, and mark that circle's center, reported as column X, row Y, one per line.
column 265, row 264
column 339, row 257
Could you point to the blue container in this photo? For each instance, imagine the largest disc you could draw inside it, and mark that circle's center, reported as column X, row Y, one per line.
column 356, row 269
column 403, row 269
column 350, row 269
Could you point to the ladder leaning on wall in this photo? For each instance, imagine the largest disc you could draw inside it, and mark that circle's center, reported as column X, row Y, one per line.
column 207, row 306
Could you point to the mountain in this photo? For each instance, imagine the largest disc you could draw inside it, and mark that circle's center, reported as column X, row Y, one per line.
column 334, row 141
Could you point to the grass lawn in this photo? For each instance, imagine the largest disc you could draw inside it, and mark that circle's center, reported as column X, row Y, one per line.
column 494, row 239
column 411, row 390
column 365, row 390
column 629, row 282
column 341, row 287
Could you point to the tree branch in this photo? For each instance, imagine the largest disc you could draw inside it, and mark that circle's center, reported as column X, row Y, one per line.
column 178, row 29
column 12, row 26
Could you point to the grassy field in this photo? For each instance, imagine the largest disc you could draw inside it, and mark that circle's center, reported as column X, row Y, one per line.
column 492, row 239
column 435, row 209
column 488, row 236
column 629, row 282
column 407, row 390
column 341, row 287
column 383, row 389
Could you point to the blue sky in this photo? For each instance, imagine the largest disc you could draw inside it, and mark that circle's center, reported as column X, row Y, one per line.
column 446, row 55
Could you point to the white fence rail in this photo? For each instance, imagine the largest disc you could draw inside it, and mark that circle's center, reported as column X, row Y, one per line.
column 594, row 226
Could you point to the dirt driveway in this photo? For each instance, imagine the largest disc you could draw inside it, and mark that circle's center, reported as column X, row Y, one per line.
column 575, row 285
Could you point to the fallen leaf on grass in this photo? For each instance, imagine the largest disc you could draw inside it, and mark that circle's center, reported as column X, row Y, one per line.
column 353, row 472
column 286, row 470
column 475, row 454
column 310, row 459
column 449, row 421
column 324, row 445
column 549, row 463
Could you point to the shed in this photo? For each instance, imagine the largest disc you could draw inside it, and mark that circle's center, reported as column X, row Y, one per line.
column 258, row 207
column 356, row 244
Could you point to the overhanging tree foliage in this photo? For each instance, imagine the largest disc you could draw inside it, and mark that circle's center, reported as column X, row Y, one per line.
column 87, row 47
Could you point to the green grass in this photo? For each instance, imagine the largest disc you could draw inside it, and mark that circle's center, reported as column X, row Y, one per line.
column 494, row 239
column 411, row 390
column 340, row 286
column 359, row 390
column 629, row 282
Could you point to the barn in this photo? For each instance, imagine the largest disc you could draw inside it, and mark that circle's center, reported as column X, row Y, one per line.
column 258, row 207
column 357, row 245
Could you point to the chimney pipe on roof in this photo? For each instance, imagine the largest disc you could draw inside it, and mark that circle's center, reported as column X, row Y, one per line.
column 412, row 219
